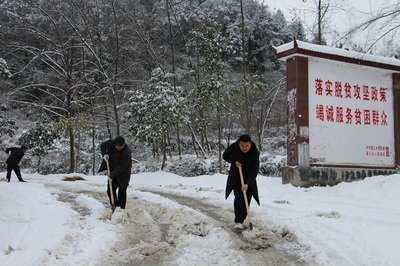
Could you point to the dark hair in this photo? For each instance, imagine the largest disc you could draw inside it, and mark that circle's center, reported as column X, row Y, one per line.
column 23, row 147
column 119, row 140
column 245, row 138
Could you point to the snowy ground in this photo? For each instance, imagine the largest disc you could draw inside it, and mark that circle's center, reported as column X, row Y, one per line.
column 173, row 220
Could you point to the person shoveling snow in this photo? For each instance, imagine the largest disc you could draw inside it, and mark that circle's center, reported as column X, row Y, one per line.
column 244, row 158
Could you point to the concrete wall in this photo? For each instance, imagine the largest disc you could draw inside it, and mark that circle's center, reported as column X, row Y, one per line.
column 323, row 176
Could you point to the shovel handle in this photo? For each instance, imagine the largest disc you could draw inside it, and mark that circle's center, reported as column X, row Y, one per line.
column 110, row 183
column 246, row 202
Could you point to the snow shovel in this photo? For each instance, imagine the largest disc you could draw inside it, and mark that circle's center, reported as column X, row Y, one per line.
column 110, row 187
column 246, row 202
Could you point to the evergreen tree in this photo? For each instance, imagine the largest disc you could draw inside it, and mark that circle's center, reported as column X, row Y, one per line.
column 74, row 58
column 154, row 112
column 296, row 30
column 39, row 140
column 7, row 127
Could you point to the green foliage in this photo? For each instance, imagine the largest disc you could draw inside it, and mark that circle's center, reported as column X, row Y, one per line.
column 70, row 124
column 206, row 98
column 210, row 47
column 155, row 111
column 75, row 58
column 205, row 95
column 39, row 139
column 296, row 30
column 267, row 29
column 7, row 127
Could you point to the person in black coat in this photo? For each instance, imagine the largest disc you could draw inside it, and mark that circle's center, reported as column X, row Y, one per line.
column 15, row 156
column 118, row 153
column 243, row 153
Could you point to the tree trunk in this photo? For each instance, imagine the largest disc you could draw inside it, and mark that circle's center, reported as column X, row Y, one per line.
column 93, row 150
column 264, row 124
column 78, row 149
column 246, row 99
column 115, row 87
column 163, row 145
column 319, row 23
column 72, row 149
column 219, row 131
column 196, row 141
column 110, row 135
column 39, row 163
column 115, row 109
column 178, row 142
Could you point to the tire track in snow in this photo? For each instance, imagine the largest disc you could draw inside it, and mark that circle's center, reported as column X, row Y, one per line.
column 262, row 246
column 151, row 233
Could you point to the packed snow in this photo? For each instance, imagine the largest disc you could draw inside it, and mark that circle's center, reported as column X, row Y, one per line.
column 50, row 221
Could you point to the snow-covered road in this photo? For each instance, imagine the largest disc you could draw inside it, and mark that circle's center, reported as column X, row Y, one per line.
column 174, row 220
column 159, row 228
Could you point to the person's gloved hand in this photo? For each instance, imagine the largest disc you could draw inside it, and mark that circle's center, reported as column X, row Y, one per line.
column 106, row 157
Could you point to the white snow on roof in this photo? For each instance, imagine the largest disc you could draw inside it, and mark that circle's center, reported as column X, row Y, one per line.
column 334, row 51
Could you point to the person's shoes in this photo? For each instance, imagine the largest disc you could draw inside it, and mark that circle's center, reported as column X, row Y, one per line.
column 121, row 216
column 8, row 180
column 239, row 226
column 22, row 180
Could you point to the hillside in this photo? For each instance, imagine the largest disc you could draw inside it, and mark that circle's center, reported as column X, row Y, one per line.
column 272, row 158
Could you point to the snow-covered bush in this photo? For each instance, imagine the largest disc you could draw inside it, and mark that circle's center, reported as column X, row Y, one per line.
column 7, row 127
column 39, row 140
column 4, row 72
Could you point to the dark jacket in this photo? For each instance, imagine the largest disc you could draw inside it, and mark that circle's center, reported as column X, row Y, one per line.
column 120, row 162
column 250, row 165
column 15, row 156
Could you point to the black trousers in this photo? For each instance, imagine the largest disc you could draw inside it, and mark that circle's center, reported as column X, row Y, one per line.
column 15, row 167
column 120, row 200
column 240, row 205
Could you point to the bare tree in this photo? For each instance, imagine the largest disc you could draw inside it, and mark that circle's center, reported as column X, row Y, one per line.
column 384, row 23
column 246, row 99
column 68, row 47
column 323, row 11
